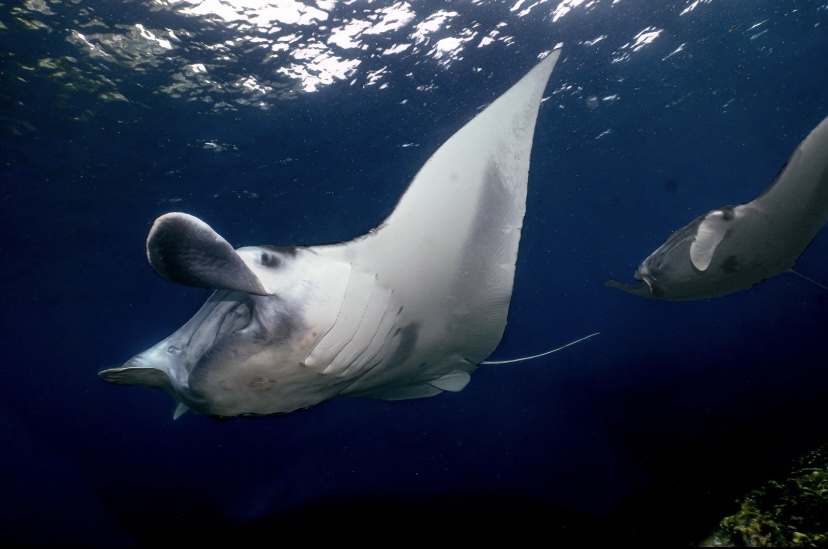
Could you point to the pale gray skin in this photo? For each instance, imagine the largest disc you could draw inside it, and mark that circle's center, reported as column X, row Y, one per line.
column 408, row 310
column 735, row 247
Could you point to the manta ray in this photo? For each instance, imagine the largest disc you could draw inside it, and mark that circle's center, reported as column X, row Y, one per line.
column 734, row 247
column 408, row 310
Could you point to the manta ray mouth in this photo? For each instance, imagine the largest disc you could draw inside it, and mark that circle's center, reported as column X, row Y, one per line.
column 238, row 316
column 225, row 313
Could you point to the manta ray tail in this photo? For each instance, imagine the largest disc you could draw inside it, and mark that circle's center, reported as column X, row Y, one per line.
column 540, row 355
column 811, row 280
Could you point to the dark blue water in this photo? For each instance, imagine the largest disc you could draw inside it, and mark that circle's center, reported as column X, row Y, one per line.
column 648, row 432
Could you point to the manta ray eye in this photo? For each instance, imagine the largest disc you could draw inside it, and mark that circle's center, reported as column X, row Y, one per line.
column 268, row 259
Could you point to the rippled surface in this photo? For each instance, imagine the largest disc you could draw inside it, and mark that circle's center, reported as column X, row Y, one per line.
column 233, row 53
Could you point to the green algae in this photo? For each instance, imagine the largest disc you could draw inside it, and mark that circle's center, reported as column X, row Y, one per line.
column 788, row 512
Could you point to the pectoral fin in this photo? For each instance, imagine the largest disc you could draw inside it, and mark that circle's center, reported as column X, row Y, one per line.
column 453, row 381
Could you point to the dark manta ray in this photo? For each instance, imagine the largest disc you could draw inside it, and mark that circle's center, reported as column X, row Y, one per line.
column 735, row 247
column 408, row 310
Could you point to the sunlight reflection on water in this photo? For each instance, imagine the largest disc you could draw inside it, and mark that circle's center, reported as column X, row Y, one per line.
column 233, row 53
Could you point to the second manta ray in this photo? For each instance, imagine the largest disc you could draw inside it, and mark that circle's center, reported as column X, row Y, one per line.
column 407, row 311
column 735, row 247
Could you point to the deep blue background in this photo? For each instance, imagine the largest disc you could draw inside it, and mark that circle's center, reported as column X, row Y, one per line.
column 649, row 431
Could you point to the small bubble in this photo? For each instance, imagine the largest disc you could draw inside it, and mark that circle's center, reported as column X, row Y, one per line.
column 592, row 102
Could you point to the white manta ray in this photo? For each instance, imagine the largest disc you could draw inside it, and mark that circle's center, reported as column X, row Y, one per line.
column 408, row 310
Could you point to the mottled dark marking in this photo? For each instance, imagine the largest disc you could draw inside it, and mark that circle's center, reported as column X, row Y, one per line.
column 408, row 340
column 730, row 265
column 277, row 319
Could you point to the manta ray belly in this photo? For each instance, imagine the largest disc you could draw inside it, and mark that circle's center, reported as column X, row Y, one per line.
column 362, row 333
